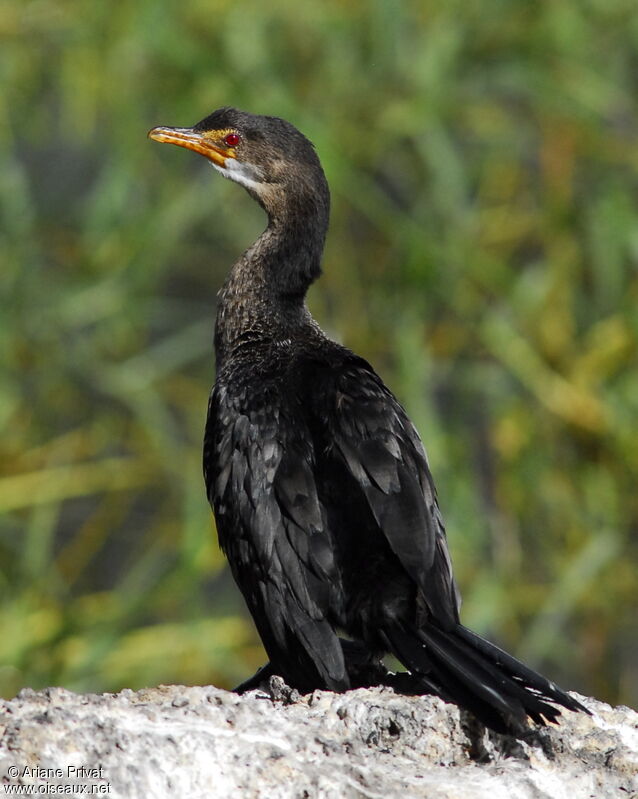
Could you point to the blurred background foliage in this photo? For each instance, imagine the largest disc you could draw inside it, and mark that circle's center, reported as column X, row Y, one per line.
column 483, row 159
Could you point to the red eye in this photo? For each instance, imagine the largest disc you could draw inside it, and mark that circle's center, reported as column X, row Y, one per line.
column 232, row 139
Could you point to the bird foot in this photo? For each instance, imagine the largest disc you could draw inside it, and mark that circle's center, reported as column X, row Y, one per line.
column 280, row 692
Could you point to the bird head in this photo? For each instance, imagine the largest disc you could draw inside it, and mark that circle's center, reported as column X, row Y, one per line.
column 267, row 155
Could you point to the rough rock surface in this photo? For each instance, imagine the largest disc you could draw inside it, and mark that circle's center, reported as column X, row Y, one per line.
column 174, row 741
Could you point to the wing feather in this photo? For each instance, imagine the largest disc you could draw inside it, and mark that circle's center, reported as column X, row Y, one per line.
column 370, row 432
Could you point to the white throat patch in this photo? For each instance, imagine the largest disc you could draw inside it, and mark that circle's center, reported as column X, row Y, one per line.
column 245, row 174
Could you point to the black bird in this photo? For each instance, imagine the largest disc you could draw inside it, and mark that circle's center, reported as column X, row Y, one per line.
column 321, row 489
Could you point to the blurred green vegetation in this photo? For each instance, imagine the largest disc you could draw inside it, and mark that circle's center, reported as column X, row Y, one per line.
column 483, row 159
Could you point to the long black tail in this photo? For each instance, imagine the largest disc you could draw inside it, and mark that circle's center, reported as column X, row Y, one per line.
column 464, row 668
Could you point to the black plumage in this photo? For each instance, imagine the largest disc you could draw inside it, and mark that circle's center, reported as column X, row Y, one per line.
column 323, row 498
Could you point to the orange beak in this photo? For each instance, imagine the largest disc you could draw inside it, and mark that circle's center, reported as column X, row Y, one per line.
column 192, row 140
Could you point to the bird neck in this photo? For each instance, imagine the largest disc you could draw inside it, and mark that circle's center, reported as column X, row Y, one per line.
column 292, row 245
column 263, row 297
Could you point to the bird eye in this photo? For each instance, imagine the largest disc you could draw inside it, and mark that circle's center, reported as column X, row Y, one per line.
column 232, row 139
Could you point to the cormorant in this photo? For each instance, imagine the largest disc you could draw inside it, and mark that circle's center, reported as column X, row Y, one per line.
column 321, row 489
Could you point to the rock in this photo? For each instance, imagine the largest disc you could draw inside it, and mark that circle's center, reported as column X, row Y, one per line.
column 175, row 741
